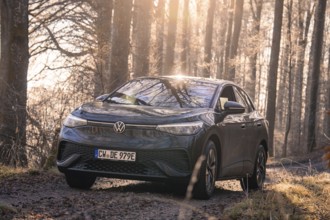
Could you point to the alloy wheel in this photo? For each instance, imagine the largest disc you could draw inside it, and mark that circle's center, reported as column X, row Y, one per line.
column 261, row 168
column 211, row 162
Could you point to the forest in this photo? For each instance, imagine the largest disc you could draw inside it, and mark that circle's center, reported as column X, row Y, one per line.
column 56, row 55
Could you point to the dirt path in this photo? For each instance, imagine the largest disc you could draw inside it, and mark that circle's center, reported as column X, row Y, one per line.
column 45, row 195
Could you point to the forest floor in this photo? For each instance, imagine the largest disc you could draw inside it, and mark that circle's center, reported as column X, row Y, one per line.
column 296, row 188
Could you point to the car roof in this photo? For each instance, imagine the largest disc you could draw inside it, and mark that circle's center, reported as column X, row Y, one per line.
column 219, row 82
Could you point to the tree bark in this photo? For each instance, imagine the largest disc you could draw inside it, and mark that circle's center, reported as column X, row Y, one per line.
column 328, row 101
column 159, row 52
column 282, row 93
column 171, row 37
column 143, row 10
column 236, row 33
column 185, row 37
column 103, row 33
column 13, row 81
column 296, row 124
column 208, row 39
column 288, row 68
column 256, row 8
column 316, row 57
column 228, row 39
column 272, row 75
column 120, row 42
column 221, row 39
column 196, row 45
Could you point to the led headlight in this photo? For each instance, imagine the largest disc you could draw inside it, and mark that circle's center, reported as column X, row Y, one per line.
column 73, row 121
column 181, row 128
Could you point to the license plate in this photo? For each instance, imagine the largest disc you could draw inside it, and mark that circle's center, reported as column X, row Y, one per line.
column 115, row 155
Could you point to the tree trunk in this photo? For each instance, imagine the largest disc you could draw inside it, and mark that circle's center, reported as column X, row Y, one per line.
column 171, row 37
column 288, row 67
column 196, row 45
column 282, row 93
column 316, row 57
column 221, row 39
column 328, row 101
column 256, row 9
column 141, row 44
column 208, row 39
column 228, row 39
column 185, row 37
column 120, row 42
column 159, row 54
column 236, row 33
column 296, row 125
column 103, row 33
column 13, row 81
column 272, row 76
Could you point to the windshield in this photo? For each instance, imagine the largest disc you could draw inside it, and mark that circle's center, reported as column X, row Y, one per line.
column 175, row 93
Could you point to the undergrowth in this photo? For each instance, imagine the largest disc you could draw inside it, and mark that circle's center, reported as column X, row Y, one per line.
column 6, row 171
column 295, row 197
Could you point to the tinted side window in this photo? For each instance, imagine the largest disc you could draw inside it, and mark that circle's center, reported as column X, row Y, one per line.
column 242, row 100
column 227, row 94
column 248, row 100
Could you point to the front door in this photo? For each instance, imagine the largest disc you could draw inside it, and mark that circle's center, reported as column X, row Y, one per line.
column 232, row 131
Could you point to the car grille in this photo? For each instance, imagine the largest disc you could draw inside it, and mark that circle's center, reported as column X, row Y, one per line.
column 144, row 165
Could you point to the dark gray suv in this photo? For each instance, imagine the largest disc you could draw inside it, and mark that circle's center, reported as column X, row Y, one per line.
column 157, row 128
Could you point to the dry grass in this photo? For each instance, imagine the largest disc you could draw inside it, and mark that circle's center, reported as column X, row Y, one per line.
column 6, row 171
column 293, row 198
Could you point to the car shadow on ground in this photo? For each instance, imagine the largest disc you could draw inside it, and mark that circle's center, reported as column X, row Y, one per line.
column 171, row 189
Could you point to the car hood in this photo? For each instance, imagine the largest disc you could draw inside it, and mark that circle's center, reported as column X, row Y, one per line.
column 108, row 112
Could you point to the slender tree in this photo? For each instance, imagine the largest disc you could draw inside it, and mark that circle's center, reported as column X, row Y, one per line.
column 160, row 23
column 103, row 34
column 143, row 10
column 221, row 37
column 208, row 38
column 288, row 67
column 256, row 8
column 171, row 36
column 228, row 39
column 314, row 70
column 185, row 37
column 303, row 24
column 272, row 75
column 120, row 42
column 13, row 81
column 328, row 101
column 238, row 15
column 195, row 39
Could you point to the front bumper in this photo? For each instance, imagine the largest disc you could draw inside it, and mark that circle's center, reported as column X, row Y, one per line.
column 150, row 164
column 158, row 155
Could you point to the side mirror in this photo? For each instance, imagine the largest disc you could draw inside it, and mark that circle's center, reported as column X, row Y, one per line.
column 234, row 108
column 102, row 97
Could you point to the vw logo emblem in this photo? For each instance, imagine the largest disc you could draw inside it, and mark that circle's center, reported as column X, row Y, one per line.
column 119, row 127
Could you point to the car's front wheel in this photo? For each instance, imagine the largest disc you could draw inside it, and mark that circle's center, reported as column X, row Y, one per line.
column 256, row 181
column 205, row 184
column 80, row 180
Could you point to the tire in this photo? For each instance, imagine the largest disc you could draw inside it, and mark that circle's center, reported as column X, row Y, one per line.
column 256, row 181
column 207, row 175
column 80, row 180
